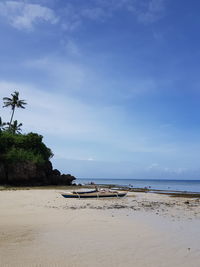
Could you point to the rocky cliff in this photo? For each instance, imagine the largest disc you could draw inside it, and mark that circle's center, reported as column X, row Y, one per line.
column 25, row 160
column 31, row 174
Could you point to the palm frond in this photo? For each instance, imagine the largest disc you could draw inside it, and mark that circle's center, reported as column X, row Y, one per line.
column 20, row 104
column 7, row 105
column 7, row 99
column 23, row 102
column 15, row 127
column 15, row 94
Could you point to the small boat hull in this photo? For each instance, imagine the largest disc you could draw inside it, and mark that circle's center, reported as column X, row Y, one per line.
column 84, row 192
column 95, row 195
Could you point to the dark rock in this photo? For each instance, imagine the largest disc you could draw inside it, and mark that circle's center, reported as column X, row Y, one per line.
column 30, row 174
column 56, row 172
column 2, row 174
column 25, row 173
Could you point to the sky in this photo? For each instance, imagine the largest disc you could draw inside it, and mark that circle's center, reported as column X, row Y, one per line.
column 112, row 85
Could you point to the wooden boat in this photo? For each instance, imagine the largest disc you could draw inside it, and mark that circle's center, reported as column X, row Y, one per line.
column 84, row 192
column 97, row 194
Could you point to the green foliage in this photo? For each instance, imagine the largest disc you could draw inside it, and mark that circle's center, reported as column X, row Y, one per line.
column 14, row 127
column 23, row 147
column 15, row 146
column 22, row 155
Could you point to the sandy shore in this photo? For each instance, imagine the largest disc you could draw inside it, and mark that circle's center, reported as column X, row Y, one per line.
column 41, row 228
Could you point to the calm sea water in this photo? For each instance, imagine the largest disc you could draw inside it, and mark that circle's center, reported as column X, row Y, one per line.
column 178, row 185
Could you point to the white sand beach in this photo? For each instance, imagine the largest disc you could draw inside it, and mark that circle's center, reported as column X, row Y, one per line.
column 41, row 228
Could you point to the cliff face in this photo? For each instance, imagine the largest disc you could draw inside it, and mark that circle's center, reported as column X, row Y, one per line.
column 29, row 174
column 24, row 160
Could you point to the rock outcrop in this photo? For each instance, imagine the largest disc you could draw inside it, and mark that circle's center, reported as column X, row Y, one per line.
column 31, row 174
column 25, row 160
column 2, row 173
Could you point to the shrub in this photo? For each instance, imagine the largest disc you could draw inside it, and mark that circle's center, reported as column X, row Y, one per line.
column 20, row 154
column 14, row 147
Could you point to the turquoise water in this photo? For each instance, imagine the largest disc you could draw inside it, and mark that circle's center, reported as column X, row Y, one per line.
column 178, row 185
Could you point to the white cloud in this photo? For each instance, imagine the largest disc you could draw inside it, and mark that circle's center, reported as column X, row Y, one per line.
column 79, row 130
column 58, row 115
column 72, row 118
column 69, row 75
column 76, row 75
column 24, row 16
column 76, row 120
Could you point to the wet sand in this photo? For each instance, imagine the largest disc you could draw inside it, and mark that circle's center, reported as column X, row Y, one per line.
column 41, row 228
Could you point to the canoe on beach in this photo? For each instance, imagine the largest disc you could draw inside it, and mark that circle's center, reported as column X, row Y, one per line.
column 97, row 194
column 85, row 192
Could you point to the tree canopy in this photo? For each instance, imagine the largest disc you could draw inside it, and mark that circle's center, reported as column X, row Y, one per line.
column 23, row 147
column 16, row 147
column 13, row 102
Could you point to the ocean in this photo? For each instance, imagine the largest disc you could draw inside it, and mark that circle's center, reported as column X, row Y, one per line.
column 171, row 185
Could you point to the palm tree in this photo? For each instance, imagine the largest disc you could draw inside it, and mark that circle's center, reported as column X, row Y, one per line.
column 2, row 124
column 13, row 102
column 15, row 127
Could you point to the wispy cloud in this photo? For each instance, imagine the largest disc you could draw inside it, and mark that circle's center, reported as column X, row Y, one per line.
column 71, row 47
column 145, row 11
column 79, row 130
column 73, row 119
column 85, row 80
column 77, row 120
column 24, row 15
column 70, row 76
column 151, row 12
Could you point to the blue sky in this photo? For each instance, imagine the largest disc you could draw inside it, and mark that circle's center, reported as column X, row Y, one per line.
column 112, row 85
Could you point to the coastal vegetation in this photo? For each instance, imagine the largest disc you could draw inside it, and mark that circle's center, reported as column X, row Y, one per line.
column 24, row 158
column 16, row 147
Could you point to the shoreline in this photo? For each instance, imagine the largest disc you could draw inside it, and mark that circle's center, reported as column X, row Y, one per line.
column 185, row 185
column 173, row 193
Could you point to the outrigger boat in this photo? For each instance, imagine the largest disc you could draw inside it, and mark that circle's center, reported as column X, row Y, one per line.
column 94, row 194
column 84, row 192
